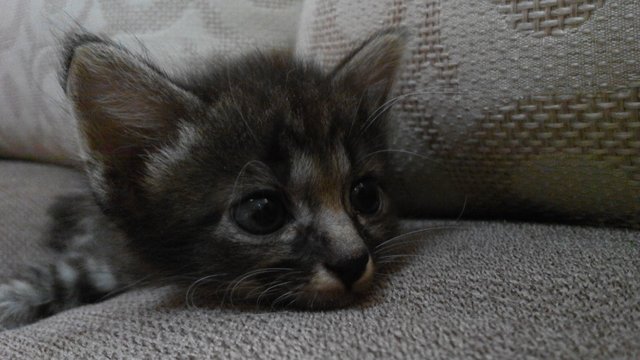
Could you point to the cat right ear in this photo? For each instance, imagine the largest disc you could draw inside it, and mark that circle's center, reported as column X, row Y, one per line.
column 372, row 66
column 120, row 101
column 124, row 107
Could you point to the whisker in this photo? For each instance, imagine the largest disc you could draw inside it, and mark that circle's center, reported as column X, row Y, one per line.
column 415, row 232
column 295, row 297
column 464, row 206
column 387, row 105
column 404, row 242
column 190, row 293
column 313, row 300
column 398, row 256
column 240, row 174
column 399, row 243
column 265, row 292
column 377, row 114
column 244, row 277
column 261, row 288
column 139, row 281
column 125, row 287
column 355, row 113
column 281, row 298
column 382, row 275
column 271, row 286
column 391, row 261
column 240, row 112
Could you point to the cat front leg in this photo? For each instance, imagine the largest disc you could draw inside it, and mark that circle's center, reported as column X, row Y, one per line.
column 44, row 290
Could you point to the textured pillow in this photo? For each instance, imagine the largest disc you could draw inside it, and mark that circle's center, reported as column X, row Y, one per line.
column 520, row 106
column 34, row 119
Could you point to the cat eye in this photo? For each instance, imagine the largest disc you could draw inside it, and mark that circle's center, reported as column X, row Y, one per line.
column 261, row 213
column 365, row 196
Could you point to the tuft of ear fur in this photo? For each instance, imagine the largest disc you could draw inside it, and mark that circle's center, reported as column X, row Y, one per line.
column 124, row 107
column 118, row 97
column 373, row 65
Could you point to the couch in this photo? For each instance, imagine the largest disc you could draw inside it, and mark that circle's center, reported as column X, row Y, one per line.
column 491, row 288
column 477, row 289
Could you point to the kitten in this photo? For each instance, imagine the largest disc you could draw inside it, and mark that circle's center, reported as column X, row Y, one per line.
column 258, row 179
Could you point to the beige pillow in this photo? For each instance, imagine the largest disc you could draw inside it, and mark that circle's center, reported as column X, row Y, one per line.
column 34, row 119
column 520, row 106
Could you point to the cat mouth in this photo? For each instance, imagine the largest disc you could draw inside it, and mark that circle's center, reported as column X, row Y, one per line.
column 307, row 297
column 325, row 290
column 322, row 291
column 328, row 299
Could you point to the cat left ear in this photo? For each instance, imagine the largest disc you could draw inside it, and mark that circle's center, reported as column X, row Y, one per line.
column 372, row 66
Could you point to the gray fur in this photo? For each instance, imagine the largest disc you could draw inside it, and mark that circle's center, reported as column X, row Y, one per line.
column 171, row 159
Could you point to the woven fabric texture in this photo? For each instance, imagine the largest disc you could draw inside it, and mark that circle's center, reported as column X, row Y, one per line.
column 34, row 116
column 544, row 17
column 523, row 107
column 481, row 290
column 26, row 190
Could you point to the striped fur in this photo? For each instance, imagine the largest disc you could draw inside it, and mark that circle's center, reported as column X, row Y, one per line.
column 90, row 263
column 170, row 159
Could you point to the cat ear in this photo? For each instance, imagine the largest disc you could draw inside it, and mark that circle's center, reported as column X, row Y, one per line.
column 373, row 65
column 125, row 110
column 123, row 104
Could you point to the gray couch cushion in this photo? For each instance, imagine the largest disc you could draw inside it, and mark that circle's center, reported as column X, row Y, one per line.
column 482, row 289
column 26, row 190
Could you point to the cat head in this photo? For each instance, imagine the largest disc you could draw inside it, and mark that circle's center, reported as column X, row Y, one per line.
column 262, row 176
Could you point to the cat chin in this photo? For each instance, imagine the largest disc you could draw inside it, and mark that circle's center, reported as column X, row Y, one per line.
column 325, row 291
column 332, row 295
column 326, row 300
column 324, row 281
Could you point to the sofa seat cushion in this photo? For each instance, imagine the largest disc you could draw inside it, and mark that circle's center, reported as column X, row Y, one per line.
column 477, row 289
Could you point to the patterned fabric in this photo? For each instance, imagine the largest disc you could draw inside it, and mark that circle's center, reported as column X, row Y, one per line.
column 547, row 17
column 34, row 120
column 520, row 107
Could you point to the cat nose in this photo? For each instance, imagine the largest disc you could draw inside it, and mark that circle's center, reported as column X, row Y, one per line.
column 351, row 269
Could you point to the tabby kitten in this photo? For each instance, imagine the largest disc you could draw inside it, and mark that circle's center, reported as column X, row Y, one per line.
column 258, row 179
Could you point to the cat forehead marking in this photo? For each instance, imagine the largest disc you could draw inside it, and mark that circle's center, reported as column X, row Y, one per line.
column 322, row 175
column 161, row 163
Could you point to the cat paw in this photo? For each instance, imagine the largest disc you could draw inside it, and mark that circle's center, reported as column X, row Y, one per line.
column 19, row 303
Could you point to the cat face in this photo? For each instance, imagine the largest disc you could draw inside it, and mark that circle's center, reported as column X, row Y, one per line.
column 262, row 178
